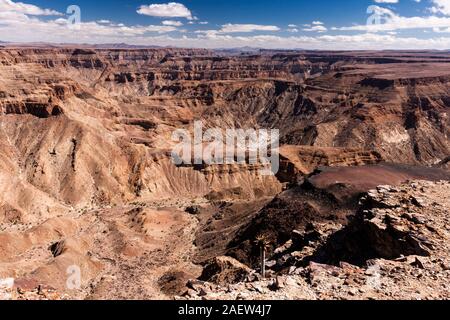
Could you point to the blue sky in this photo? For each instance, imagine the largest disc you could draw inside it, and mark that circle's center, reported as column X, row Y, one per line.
column 319, row 24
column 219, row 12
column 277, row 12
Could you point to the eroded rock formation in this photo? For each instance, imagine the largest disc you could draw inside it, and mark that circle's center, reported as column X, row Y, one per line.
column 86, row 176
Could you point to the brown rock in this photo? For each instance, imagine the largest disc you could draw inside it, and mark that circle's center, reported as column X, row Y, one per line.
column 225, row 270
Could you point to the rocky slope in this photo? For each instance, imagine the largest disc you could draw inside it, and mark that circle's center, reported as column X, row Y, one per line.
column 395, row 248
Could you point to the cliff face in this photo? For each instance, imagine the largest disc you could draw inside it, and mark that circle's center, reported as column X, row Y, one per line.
column 299, row 161
column 66, row 113
column 396, row 105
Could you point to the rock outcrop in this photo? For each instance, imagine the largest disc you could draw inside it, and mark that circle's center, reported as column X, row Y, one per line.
column 396, row 248
column 331, row 196
column 224, row 271
column 297, row 162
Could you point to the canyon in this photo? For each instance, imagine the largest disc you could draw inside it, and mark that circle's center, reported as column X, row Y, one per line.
column 87, row 179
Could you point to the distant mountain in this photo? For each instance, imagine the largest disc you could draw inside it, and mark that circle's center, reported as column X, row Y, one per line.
column 78, row 45
column 238, row 50
column 122, row 46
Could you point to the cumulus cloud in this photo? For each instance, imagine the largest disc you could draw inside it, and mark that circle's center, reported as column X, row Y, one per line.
column 19, row 7
column 236, row 28
column 387, row 1
column 239, row 28
column 441, row 6
column 92, row 32
column 315, row 29
column 364, row 41
column 22, row 28
column 391, row 21
column 172, row 23
column 167, row 10
column 315, row 26
column 24, row 23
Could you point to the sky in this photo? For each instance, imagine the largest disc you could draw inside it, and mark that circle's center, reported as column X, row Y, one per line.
column 277, row 24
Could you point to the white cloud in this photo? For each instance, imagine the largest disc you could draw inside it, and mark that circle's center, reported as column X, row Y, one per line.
column 56, row 31
column 25, row 24
column 19, row 7
column 168, row 10
column 315, row 26
column 315, row 29
column 245, row 28
column 172, row 23
column 391, row 21
column 239, row 28
column 364, row 41
column 21, row 28
column 9, row 17
column 441, row 6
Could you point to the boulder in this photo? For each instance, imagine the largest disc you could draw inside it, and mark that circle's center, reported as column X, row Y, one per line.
column 225, row 270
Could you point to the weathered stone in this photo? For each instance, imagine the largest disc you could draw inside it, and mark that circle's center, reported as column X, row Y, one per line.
column 279, row 283
column 193, row 210
column 419, row 263
column 225, row 270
